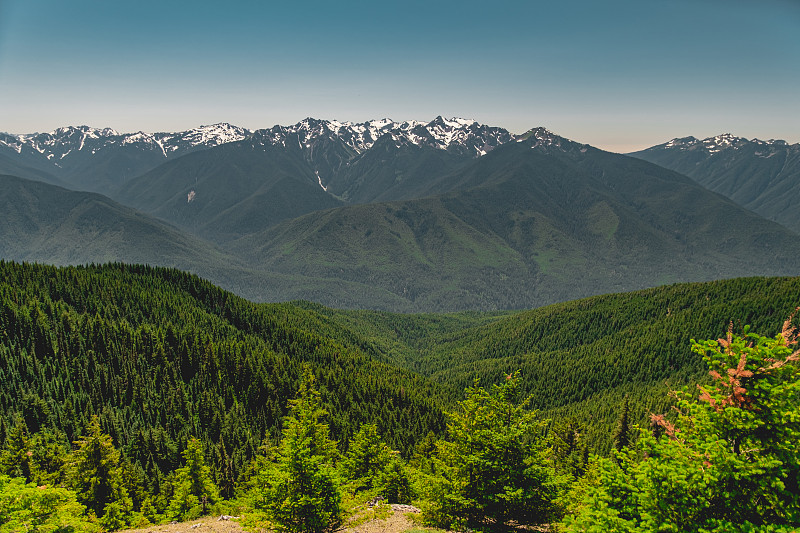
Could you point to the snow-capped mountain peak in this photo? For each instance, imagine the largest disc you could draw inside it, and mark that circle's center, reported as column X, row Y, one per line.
column 203, row 136
column 543, row 139
column 457, row 135
column 720, row 143
column 71, row 140
column 681, row 142
column 462, row 135
column 454, row 122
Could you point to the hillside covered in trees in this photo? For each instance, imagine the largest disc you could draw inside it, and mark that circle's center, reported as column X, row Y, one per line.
column 160, row 356
column 190, row 391
column 580, row 359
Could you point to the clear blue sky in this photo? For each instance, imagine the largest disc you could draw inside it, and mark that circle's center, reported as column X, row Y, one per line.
column 617, row 74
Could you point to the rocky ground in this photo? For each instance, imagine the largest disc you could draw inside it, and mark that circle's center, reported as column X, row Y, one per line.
column 398, row 521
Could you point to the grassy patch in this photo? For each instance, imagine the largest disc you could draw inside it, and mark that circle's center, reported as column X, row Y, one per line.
column 364, row 513
column 602, row 220
column 420, row 529
column 255, row 522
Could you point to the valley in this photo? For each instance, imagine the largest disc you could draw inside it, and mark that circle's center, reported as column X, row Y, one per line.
column 399, row 267
column 414, row 217
column 391, row 306
column 162, row 362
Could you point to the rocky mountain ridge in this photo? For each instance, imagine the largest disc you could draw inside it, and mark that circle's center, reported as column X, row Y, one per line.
column 763, row 176
column 455, row 134
column 102, row 159
column 724, row 141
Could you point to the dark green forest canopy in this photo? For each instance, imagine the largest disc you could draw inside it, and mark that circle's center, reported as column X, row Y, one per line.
column 579, row 359
column 161, row 355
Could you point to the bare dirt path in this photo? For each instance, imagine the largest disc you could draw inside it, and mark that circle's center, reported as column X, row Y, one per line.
column 206, row 524
column 397, row 522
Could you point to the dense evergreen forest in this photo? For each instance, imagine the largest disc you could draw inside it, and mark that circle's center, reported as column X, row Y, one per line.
column 159, row 356
column 193, row 394
column 580, row 359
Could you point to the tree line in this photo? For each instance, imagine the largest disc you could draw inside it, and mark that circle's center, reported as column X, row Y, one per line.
column 134, row 395
column 725, row 461
column 160, row 356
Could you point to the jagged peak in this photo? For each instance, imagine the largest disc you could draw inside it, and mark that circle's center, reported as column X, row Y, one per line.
column 681, row 141
column 718, row 143
column 442, row 133
column 454, row 122
column 105, row 132
column 538, row 132
column 465, row 135
column 542, row 137
column 723, row 140
column 218, row 126
column 206, row 135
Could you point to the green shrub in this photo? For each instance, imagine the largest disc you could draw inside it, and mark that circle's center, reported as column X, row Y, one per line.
column 494, row 466
column 304, row 493
column 728, row 462
column 40, row 509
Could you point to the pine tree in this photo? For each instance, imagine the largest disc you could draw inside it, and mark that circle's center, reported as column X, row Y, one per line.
column 304, row 493
column 94, row 473
column 422, row 459
column 367, row 457
column 193, row 485
column 622, row 433
column 16, row 457
column 570, row 451
column 493, row 465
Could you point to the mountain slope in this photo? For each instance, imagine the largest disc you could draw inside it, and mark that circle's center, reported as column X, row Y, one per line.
column 581, row 358
column 763, row 176
column 393, row 169
column 532, row 222
column 161, row 356
column 286, row 171
column 231, row 190
column 46, row 223
column 12, row 166
column 100, row 160
column 419, row 251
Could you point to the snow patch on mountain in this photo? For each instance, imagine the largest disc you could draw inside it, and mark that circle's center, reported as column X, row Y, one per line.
column 460, row 135
column 464, row 135
column 319, row 178
column 71, row 140
column 722, row 142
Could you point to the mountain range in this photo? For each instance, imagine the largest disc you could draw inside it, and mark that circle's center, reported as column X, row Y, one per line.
column 101, row 159
column 98, row 160
column 407, row 216
column 763, row 176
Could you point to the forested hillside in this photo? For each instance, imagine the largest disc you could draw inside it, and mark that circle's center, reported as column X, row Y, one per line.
column 195, row 396
column 534, row 222
column 160, row 356
column 580, row 359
